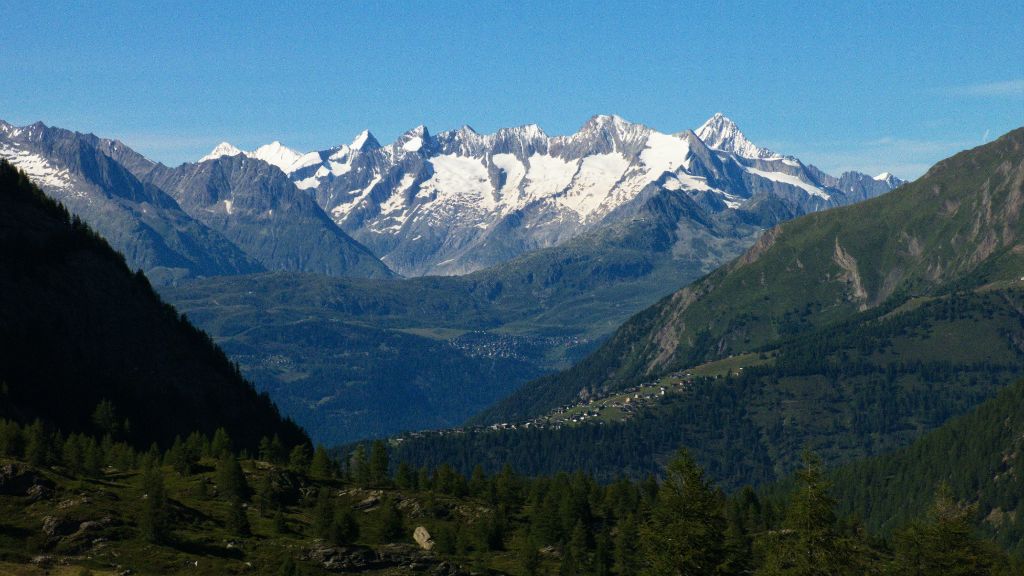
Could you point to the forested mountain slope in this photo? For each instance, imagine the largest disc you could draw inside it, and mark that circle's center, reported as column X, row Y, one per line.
column 861, row 387
column 957, row 226
column 77, row 328
column 979, row 456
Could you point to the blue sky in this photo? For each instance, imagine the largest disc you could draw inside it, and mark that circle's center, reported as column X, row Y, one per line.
column 845, row 85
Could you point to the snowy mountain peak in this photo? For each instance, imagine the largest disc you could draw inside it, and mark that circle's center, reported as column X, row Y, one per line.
column 222, row 149
column 276, row 154
column 364, row 141
column 889, row 179
column 606, row 122
column 721, row 133
column 524, row 131
column 413, row 140
column 419, row 130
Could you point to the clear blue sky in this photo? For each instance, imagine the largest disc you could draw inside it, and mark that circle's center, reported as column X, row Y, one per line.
column 843, row 85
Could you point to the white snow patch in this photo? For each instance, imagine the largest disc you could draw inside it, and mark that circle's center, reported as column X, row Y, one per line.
column 789, row 179
column 461, row 179
column 515, row 172
column 40, row 170
column 308, row 183
column 413, row 144
column 665, row 153
column 547, row 176
column 594, row 183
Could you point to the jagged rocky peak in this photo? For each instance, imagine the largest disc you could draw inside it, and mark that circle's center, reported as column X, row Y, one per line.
column 522, row 141
column 604, row 134
column 414, row 140
column 222, row 149
column 721, row 133
column 365, row 140
column 611, row 124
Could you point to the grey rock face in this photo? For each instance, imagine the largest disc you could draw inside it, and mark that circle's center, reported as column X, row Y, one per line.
column 260, row 210
column 138, row 219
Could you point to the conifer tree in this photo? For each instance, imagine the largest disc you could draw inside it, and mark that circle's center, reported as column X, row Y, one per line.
column 477, row 482
column 267, row 495
column 529, row 557
column 12, row 440
column 221, row 443
column 391, row 528
column 810, row 543
column 104, row 419
column 569, row 566
column 686, row 532
column 379, row 464
column 39, row 447
column 298, row 460
column 264, row 451
column 321, row 467
column 943, row 543
column 152, row 515
column 237, row 521
column 323, row 514
column 602, row 564
column 444, row 539
column 74, row 454
column 231, row 482
column 627, row 548
column 346, row 527
column 579, row 547
column 277, row 451
column 360, row 466
column 95, row 458
column 404, row 477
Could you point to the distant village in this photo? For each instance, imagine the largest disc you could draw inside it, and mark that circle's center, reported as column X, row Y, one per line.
column 613, row 406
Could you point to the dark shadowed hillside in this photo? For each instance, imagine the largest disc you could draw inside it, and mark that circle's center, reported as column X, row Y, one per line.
column 77, row 328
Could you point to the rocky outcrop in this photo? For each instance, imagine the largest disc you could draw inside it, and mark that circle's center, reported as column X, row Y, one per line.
column 422, row 537
column 355, row 559
column 20, row 480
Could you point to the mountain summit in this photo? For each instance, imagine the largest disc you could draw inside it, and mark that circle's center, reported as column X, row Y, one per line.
column 721, row 133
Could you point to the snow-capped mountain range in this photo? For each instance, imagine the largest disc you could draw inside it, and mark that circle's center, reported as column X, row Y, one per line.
column 459, row 201
column 447, row 203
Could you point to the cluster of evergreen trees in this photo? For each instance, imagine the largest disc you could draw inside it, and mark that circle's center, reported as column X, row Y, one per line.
column 566, row 524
